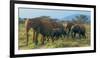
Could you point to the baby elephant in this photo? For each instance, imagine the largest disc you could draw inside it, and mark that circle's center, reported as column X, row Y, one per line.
column 78, row 29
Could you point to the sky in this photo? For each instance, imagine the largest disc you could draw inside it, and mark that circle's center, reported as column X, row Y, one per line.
column 56, row 14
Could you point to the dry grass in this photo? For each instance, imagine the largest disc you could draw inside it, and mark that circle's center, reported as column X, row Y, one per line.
column 59, row 43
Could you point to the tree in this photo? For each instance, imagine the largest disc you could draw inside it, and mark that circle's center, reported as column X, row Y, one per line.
column 80, row 19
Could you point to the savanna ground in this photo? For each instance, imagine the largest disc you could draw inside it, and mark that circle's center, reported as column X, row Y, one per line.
column 59, row 43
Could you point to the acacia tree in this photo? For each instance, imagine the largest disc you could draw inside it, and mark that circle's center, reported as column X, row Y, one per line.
column 80, row 19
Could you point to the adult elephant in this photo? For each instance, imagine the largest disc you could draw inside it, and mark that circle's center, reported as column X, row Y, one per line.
column 67, row 27
column 34, row 24
column 78, row 29
column 49, row 28
column 41, row 25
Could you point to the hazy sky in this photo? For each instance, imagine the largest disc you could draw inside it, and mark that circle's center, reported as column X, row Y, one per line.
column 57, row 14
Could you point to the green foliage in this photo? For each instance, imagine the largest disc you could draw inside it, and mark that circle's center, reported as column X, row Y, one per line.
column 80, row 19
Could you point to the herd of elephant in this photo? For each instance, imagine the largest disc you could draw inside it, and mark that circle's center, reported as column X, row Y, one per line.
column 50, row 29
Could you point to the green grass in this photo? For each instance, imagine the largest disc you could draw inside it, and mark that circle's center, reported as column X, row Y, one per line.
column 59, row 43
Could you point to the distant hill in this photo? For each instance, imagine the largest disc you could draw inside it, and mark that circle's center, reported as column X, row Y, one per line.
column 70, row 17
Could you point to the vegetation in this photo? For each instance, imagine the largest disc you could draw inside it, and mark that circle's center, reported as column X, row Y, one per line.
column 58, row 43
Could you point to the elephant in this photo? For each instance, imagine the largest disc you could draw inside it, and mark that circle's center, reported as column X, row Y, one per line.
column 43, row 26
column 78, row 29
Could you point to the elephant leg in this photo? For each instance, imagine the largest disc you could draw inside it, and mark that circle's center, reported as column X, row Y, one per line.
column 68, row 32
column 79, row 36
column 36, row 38
column 53, row 38
column 42, row 39
column 47, row 38
column 27, row 37
column 84, row 35
column 74, row 35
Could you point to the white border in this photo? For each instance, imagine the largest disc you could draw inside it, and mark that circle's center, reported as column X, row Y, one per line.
column 55, row 49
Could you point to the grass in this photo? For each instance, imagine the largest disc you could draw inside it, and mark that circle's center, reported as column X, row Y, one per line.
column 59, row 43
